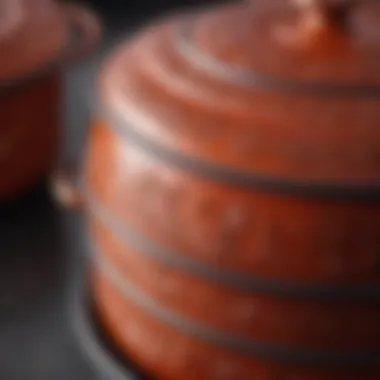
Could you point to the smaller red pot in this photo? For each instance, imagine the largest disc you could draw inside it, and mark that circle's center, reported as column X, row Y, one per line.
column 232, row 190
column 38, row 38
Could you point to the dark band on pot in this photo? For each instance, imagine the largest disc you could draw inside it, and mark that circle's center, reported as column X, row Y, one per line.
column 174, row 319
column 250, row 78
column 238, row 280
column 337, row 191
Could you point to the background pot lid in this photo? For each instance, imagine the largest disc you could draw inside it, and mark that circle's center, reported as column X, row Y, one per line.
column 290, row 43
column 32, row 34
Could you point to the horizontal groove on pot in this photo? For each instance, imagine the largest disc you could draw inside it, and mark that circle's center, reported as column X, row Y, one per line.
column 258, row 285
column 333, row 158
column 303, row 356
column 338, row 191
column 95, row 346
column 248, row 77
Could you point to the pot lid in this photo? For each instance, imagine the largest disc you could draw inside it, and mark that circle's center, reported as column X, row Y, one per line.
column 290, row 44
column 222, row 91
column 32, row 33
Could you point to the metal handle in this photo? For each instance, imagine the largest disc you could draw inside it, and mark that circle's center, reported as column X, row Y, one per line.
column 66, row 188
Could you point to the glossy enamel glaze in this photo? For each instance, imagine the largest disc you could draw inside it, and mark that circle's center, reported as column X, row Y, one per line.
column 167, row 354
column 37, row 38
column 172, row 355
column 232, row 189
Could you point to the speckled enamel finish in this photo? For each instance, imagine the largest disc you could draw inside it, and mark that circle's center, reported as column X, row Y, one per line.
column 242, row 198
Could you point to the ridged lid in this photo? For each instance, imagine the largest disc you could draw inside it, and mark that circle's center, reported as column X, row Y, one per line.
column 236, row 92
column 291, row 44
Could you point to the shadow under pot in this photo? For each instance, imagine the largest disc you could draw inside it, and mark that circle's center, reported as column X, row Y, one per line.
column 38, row 38
column 232, row 186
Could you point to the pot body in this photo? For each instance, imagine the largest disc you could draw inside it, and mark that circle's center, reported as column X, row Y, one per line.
column 235, row 219
column 175, row 239
column 30, row 130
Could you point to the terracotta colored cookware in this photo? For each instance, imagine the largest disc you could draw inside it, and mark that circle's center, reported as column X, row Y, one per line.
column 232, row 186
column 37, row 38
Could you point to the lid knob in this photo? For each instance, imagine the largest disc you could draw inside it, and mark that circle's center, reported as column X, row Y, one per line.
column 318, row 20
column 324, row 13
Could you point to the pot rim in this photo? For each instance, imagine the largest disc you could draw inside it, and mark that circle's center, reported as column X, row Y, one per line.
column 331, row 190
column 175, row 260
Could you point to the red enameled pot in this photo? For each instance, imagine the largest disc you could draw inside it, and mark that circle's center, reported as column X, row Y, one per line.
column 232, row 188
column 38, row 38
